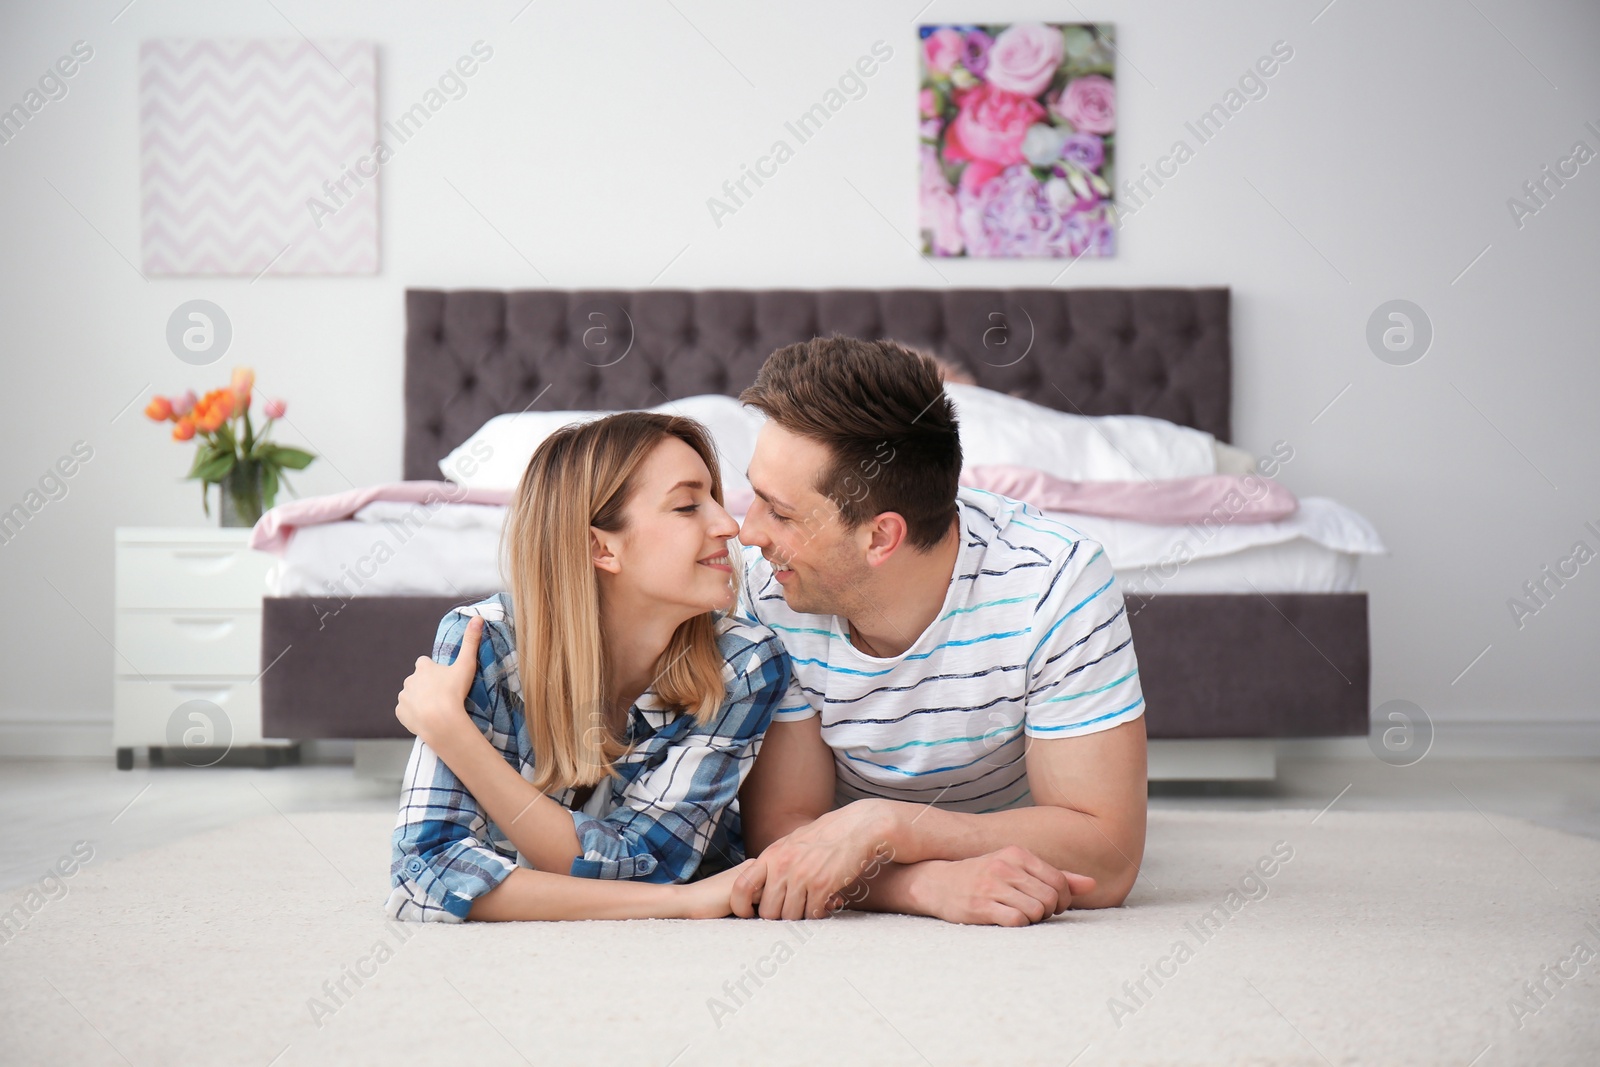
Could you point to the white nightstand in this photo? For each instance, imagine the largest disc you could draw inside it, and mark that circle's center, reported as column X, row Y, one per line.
column 188, row 646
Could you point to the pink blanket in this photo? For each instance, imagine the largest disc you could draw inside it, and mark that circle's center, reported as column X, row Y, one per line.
column 273, row 530
column 1222, row 498
column 1173, row 502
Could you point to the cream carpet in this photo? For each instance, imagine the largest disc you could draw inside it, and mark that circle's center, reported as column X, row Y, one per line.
column 1383, row 939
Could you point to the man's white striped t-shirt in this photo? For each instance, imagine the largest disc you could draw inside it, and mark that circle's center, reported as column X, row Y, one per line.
column 1032, row 641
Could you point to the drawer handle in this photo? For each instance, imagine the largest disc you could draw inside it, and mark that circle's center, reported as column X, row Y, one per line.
column 217, row 694
column 206, row 629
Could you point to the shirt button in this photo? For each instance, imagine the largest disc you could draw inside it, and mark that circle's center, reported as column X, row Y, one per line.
column 647, row 864
column 415, row 865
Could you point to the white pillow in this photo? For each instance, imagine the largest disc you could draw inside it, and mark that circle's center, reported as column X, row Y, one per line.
column 996, row 428
column 496, row 456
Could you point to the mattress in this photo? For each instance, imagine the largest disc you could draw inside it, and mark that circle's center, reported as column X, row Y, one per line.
column 385, row 551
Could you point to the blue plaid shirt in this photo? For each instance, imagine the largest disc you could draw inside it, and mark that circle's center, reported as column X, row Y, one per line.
column 670, row 813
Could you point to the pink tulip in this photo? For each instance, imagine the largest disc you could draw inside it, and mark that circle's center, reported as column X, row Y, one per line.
column 184, row 404
column 244, row 379
column 274, row 409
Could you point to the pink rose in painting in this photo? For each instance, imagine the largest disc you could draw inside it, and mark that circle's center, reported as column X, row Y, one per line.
column 926, row 101
column 1024, row 58
column 1089, row 103
column 940, row 216
column 988, row 132
column 942, row 50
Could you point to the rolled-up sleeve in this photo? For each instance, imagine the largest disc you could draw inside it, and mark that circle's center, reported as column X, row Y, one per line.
column 669, row 815
column 442, row 856
column 1084, row 675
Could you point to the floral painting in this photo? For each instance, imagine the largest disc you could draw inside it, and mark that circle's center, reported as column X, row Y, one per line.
column 1018, row 140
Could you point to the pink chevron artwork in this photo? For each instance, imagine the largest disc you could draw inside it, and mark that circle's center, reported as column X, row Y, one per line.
column 251, row 157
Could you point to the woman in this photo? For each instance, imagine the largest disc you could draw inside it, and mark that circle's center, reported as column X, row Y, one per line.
column 580, row 740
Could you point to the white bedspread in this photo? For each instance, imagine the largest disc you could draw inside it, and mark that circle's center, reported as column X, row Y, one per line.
column 384, row 551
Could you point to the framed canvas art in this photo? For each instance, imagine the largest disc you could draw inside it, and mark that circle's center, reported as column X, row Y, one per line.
column 251, row 157
column 1018, row 140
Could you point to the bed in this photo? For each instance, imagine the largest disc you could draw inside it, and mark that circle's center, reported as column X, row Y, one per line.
column 1235, row 646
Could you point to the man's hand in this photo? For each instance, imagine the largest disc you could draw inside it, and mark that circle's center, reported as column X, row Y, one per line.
column 801, row 876
column 1011, row 887
column 432, row 703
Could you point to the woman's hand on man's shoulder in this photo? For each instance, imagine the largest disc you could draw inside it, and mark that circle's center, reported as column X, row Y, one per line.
column 432, row 702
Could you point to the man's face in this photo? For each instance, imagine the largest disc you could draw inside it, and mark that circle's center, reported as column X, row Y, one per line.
column 820, row 564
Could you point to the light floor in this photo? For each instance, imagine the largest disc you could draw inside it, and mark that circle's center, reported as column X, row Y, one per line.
column 52, row 805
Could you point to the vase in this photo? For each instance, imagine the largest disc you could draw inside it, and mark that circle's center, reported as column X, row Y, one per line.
column 240, row 493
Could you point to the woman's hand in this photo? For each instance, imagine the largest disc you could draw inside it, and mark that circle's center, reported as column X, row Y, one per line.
column 710, row 898
column 432, row 703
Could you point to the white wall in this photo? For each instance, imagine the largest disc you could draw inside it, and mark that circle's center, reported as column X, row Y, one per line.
column 1381, row 162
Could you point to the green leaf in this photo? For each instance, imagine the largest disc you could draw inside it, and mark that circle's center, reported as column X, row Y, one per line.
column 203, row 454
column 294, row 458
column 269, row 486
column 216, row 469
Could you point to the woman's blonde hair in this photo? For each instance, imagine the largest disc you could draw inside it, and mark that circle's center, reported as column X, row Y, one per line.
column 582, row 476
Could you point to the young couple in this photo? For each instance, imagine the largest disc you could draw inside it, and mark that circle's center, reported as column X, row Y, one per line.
column 940, row 682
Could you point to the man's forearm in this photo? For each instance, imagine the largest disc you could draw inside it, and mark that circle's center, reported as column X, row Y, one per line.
column 892, row 889
column 759, row 833
column 1066, row 838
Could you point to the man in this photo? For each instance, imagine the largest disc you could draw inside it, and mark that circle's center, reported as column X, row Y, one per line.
column 965, row 680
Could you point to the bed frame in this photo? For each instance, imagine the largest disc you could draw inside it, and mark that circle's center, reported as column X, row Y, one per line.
column 1212, row 666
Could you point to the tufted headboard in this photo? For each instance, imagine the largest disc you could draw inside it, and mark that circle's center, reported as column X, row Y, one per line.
column 471, row 355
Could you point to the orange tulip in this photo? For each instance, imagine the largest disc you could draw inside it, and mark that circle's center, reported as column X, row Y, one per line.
column 244, row 379
column 209, row 419
column 184, row 429
column 159, row 409
column 223, row 401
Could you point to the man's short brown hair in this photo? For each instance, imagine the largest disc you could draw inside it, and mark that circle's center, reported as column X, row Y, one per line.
column 881, row 410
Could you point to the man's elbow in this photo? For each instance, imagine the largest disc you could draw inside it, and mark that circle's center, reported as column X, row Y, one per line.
column 1110, row 889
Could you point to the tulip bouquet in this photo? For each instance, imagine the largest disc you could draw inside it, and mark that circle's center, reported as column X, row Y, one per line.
column 246, row 466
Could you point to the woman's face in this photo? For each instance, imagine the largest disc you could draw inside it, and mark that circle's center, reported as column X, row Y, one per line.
column 674, row 548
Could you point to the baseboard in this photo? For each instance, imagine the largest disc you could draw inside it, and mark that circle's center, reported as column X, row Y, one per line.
column 65, row 738
column 55, row 739
column 77, row 739
column 1469, row 739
